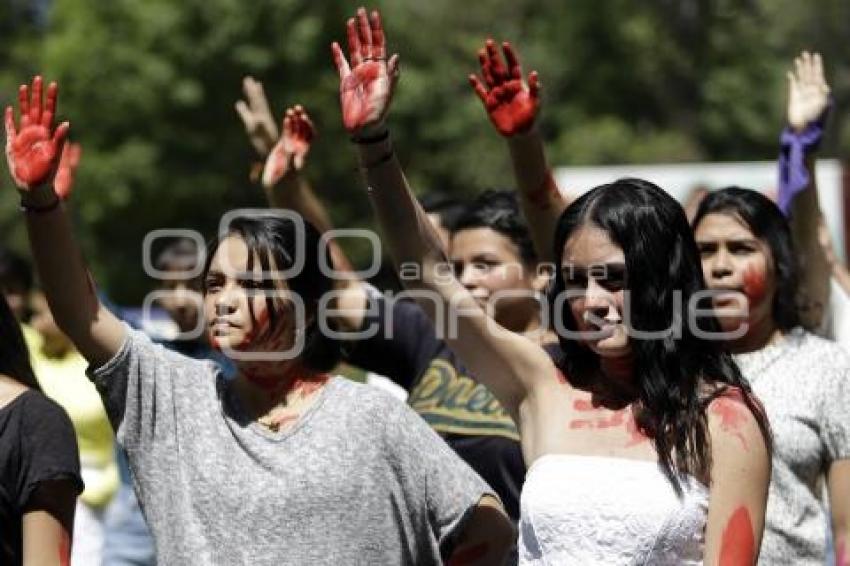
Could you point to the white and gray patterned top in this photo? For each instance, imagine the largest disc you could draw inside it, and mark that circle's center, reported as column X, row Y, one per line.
column 804, row 383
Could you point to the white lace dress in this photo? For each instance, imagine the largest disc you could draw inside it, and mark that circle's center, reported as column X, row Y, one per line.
column 589, row 510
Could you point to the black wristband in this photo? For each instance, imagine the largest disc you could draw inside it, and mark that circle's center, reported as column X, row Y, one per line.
column 41, row 209
column 380, row 161
column 371, row 139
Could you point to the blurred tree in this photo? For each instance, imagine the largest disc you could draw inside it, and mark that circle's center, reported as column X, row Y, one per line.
column 149, row 88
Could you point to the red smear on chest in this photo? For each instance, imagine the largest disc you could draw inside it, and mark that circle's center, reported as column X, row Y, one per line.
column 607, row 419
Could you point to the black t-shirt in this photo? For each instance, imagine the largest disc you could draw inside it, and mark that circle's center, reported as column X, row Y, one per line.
column 405, row 348
column 37, row 444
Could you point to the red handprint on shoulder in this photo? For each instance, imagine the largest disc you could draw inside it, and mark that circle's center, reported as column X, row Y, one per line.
column 367, row 85
column 511, row 105
column 33, row 151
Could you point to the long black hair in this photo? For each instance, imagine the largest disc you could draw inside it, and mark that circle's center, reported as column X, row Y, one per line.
column 671, row 372
column 767, row 223
column 272, row 236
column 14, row 355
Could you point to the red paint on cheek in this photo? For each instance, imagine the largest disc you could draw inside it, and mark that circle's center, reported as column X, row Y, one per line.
column 466, row 556
column 754, row 284
column 738, row 545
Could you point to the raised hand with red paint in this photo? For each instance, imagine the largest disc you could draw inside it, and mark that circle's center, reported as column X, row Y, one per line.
column 511, row 104
column 63, row 183
column 34, row 147
column 367, row 79
column 290, row 152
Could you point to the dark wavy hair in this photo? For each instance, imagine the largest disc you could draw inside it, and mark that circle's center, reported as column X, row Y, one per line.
column 499, row 211
column 14, row 355
column 671, row 372
column 272, row 236
column 767, row 223
column 448, row 208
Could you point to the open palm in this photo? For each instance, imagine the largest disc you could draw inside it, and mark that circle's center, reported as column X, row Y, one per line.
column 511, row 106
column 32, row 152
column 808, row 92
column 366, row 84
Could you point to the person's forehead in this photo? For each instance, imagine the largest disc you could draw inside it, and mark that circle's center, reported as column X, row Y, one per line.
column 590, row 245
column 480, row 240
column 721, row 226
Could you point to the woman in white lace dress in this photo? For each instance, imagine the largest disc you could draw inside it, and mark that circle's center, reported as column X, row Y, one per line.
column 803, row 380
column 643, row 448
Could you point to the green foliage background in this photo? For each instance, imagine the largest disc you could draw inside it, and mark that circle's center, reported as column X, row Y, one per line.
column 149, row 88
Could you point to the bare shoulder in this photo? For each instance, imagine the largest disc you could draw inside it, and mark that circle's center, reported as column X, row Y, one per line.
column 734, row 422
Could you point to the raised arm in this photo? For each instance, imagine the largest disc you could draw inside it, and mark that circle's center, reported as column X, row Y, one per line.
column 740, row 474
column 283, row 180
column 509, row 365
column 513, row 108
column 808, row 102
column 285, row 185
column 33, row 150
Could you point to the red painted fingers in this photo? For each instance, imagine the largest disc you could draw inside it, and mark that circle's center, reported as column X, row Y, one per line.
column 379, row 48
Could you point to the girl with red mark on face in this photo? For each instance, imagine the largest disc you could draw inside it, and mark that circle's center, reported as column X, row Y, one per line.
column 664, row 500
column 341, row 471
column 803, row 380
column 39, row 463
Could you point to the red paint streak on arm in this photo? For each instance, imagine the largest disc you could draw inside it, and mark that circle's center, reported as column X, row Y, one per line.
column 65, row 548
column 469, row 555
column 737, row 547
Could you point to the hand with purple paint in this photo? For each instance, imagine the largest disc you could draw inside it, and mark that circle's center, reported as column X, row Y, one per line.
column 808, row 91
column 366, row 82
column 34, row 148
column 290, row 152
